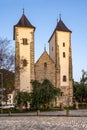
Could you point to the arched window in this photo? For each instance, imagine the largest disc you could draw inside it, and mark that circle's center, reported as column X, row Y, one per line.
column 64, row 78
column 64, row 55
column 63, row 44
column 24, row 63
column 52, row 48
column 25, row 41
column 45, row 65
column 45, row 69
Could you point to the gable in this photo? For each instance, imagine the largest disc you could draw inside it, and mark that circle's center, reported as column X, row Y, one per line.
column 44, row 58
column 45, row 68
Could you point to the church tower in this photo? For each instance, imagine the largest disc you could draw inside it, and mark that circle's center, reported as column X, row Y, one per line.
column 60, row 52
column 24, row 54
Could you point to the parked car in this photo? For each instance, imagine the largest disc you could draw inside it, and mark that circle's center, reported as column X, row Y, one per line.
column 7, row 106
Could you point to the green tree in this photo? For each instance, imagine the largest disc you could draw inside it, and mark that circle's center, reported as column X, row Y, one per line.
column 77, row 91
column 80, row 88
column 43, row 93
column 35, row 96
column 22, row 99
column 48, row 92
column 7, row 80
column 83, row 84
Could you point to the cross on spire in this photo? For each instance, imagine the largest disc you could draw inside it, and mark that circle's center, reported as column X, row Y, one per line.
column 60, row 16
column 23, row 10
column 57, row 20
column 44, row 47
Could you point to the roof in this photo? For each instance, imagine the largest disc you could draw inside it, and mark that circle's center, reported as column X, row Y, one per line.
column 60, row 27
column 45, row 53
column 23, row 22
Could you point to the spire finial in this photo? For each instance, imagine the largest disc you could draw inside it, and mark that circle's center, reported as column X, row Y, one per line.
column 60, row 16
column 57, row 20
column 44, row 47
column 23, row 10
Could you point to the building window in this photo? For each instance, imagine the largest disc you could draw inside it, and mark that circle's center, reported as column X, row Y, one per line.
column 45, row 65
column 64, row 55
column 64, row 78
column 9, row 96
column 24, row 63
column 9, row 101
column 45, row 69
column 63, row 44
column 52, row 48
column 25, row 41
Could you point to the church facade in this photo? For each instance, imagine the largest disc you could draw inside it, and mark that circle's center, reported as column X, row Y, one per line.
column 55, row 66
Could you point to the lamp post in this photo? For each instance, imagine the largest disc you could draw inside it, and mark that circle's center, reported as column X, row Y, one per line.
column 1, row 90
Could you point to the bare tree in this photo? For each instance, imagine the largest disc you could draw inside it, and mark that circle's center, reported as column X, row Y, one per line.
column 6, row 55
column 6, row 67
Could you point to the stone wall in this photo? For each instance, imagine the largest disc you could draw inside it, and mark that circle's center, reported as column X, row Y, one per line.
column 45, row 68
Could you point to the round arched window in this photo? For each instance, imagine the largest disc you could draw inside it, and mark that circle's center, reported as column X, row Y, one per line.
column 45, row 65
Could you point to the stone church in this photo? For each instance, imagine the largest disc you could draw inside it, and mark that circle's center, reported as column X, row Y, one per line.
column 55, row 66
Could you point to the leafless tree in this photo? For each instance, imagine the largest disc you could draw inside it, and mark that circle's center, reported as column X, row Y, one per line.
column 6, row 54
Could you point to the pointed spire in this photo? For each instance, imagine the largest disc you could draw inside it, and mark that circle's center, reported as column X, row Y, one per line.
column 61, row 26
column 23, row 10
column 60, row 16
column 57, row 20
column 44, row 47
column 24, row 22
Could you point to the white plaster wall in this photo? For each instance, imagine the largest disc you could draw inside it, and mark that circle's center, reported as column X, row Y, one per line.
column 64, row 62
column 25, row 54
column 52, row 45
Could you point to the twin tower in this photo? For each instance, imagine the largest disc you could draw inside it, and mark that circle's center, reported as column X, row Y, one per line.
column 55, row 66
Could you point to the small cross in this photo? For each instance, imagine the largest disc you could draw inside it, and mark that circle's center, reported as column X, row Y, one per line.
column 23, row 10
column 57, row 20
column 60, row 16
column 44, row 47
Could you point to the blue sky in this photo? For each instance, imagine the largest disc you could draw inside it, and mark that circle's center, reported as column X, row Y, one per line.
column 43, row 14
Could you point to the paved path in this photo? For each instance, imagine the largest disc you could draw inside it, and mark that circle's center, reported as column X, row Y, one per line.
column 30, row 121
column 54, row 113
column 63, row 113
column 43, row 123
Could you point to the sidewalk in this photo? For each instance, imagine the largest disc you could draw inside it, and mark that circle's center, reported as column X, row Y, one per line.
column 73, row 113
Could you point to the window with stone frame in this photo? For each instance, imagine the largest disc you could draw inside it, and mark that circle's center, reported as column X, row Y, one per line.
column 64, row 54
column 61, row 93
column 45, row 69
column 63, row 44
column 9, row 96
column 45, row 65
column 52, row 48
column 64, row 78
column 24, row 62
column 25, row 41
column 9, row 101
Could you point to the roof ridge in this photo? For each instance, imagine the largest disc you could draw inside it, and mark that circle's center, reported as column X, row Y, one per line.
column 62, row 27
column 43, row 54
column 24, row 22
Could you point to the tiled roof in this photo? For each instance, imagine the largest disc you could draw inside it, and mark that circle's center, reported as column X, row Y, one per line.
column 24, row 22
column 62, row 27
